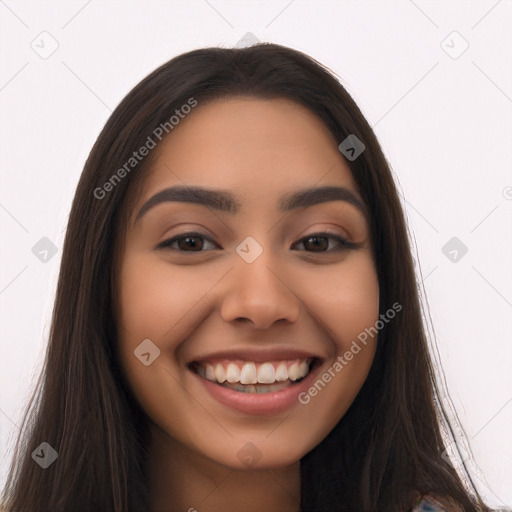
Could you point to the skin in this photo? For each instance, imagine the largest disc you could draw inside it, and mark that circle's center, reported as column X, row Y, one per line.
column 191, row 304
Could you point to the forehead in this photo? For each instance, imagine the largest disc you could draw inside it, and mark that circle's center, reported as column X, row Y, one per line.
column 258, row 148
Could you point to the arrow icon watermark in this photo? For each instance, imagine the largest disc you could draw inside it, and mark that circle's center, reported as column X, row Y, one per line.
column 351, row 147
column 147, row 352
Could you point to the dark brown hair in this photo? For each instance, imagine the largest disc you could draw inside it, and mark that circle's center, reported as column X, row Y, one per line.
column 387, row 449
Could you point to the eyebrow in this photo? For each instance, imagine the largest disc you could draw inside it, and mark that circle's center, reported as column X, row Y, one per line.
column 225, row 201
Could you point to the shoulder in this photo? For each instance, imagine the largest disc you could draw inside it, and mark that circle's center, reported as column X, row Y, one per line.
column 432, row 504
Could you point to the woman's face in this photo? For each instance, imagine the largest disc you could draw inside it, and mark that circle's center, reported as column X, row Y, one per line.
column 237, row 283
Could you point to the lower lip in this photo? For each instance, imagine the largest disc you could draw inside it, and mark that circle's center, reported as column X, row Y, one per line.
column 259, row 403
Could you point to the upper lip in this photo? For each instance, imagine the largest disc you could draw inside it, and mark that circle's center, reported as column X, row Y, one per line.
column 259, row 355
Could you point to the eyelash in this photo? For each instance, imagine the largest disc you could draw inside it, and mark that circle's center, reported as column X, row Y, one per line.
column 345, row 244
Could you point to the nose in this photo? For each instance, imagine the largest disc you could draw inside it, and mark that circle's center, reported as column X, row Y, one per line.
column 260, row 293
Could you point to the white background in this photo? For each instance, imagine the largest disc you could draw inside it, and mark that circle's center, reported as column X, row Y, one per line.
column 444, row 124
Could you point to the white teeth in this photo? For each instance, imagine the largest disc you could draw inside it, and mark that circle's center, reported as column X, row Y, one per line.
column 210, row 372
column 248, row 375
column 220, row 374
column 232, row 373
column 281, row 372
column 293, row 371
column 266, row 374
column 303, row 368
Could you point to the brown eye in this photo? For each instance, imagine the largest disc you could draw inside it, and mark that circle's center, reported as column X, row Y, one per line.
column 194, row 243
column 319, row 242
column 186, row 242
column 316, row 243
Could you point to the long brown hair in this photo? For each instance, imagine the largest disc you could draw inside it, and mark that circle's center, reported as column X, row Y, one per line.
column 385, row 451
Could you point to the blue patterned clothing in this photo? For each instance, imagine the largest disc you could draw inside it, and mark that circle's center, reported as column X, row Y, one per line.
column 428, row 504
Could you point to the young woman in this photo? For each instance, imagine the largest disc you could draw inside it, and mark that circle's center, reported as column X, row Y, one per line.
column 237, row 324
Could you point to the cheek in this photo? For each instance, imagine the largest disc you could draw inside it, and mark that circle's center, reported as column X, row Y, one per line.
column 344, row 298
column 154, row 296
column 151, row 302
column 159, row 303
column 346, row 304
column 165, row 304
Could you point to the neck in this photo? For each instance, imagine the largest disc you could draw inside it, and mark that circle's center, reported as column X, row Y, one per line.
column 181, row 480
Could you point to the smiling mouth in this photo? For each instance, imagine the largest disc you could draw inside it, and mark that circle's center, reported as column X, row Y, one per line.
column 251, row 377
